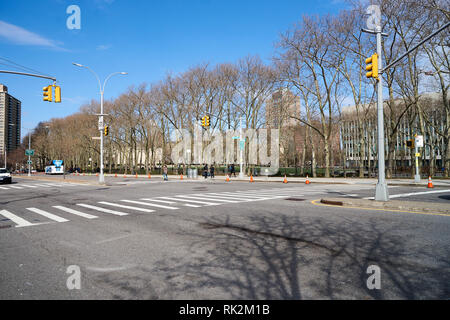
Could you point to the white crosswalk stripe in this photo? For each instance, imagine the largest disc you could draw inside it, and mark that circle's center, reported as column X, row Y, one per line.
column 213, row 198
column 76, row 212
column 16, row 219
column 126, row 207
column 4, row 188
column 47, row 215
column 191, row 205
column 161, row 201
column 28, row 186
column 191, row 201
column 15, row 187
column 117, row 213
column 150, row 204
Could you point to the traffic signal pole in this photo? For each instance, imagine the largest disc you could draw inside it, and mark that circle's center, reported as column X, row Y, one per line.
column 381, row 191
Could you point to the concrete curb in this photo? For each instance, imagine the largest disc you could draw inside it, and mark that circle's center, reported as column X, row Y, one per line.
column 413, row 206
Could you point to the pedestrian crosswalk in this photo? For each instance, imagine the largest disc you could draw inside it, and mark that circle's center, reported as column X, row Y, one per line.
column 33, row 216
column 38, row 186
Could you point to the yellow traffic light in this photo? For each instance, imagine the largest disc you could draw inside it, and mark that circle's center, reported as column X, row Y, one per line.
column 48, row 93
column 57, row 94
column 206, row 121
column 372, row 67
column 106, row 130
column 203, row 121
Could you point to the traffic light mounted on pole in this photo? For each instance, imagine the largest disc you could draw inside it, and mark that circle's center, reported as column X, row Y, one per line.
column 106, row 131
column 57, row 93
column 48, row 93
column 372, row 66
column 205, row 122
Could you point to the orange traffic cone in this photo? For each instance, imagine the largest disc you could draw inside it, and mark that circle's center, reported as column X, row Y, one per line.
column 285, row 180
column 97, row 174
column 149, row 176
column 228, row 178
column 115, row 176
column 307, row 180
column 251, row 178
column 430, row 183
column 136, row 175
column 124, row 175
column 181, row 177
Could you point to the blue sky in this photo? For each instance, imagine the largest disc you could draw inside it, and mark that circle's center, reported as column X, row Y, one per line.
column 147, row 39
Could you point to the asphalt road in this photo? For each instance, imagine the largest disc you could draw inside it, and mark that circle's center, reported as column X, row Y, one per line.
column 140, row 239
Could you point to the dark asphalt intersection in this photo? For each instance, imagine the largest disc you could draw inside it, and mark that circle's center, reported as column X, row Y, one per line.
column 215, row 240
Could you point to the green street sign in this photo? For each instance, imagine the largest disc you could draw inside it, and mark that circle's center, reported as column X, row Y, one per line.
column 30, row 162
column 29, row 152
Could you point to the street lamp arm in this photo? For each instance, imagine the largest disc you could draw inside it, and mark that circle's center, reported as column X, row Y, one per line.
column 98, row 79
column 107, row 78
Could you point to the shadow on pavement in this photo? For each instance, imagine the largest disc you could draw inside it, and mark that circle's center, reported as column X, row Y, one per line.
column 284, row 257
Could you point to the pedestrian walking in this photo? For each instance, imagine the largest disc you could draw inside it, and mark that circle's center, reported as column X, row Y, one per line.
column 233, row 172
column 205, row 171
column 211, row 171
column 166, row 178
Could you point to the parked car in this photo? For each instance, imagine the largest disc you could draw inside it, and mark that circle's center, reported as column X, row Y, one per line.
column 5, row 176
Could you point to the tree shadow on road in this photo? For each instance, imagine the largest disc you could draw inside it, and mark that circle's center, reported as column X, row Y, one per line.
column 288, row 257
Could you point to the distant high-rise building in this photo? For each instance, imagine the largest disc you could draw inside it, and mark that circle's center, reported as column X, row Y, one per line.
column 280, row 107
column 10, row 119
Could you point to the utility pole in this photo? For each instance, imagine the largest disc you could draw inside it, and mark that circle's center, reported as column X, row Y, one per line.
column 381, row 191
column 374, row 25
column 241, row 151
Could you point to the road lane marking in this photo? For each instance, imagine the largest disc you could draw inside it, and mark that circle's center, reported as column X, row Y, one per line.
column 17, row 220
column 126, row 207
column 192, row 201
column 41, row 185
column 75, row 212
column 117, row 213
column 4, row 188
column 28, row 186
column 402, row 195
column 150, row 204
column 316, row 202
column 14, row 187
column 47, row 215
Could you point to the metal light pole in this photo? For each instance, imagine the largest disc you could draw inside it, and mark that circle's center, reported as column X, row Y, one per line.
column 101, row 178
column 241, row 158
column 29, row 156
column 381, row 191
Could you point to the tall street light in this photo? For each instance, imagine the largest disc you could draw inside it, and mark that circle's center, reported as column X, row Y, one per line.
column 101, row 178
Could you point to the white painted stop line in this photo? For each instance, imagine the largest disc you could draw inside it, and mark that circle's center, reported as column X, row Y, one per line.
column 402, row 195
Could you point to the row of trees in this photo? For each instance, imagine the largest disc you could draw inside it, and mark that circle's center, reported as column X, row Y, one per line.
column 319, row 60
